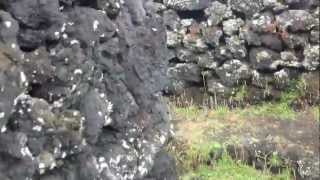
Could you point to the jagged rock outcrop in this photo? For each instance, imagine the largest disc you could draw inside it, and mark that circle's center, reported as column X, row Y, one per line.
column 267, row 39
column 80, row 90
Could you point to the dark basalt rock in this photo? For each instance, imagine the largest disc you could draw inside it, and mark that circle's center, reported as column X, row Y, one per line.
column 272, row 41
column 35, row 14
column 80, row 90
column 301, row 4
column 217, row 12
column 296, row 20
column 164, row 167
column 184, row 71
column 234, row 72
column 264, row 59
column 212, row 35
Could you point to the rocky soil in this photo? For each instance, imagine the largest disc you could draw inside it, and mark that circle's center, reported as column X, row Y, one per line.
column 80, row 90
column 220, row 45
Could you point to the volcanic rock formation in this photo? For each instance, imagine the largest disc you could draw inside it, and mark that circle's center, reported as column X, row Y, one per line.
column 80, row 90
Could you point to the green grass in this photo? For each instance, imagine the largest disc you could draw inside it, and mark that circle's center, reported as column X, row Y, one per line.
column 242, row 94
column 228, row 169
column 192, row 112
column 203, row 162
column 199, row 161
column 275, row 160
column 280, row 111
column 197, row 158
column 222, row 112
column 200, row 154
column 275, row 110
column 316, row 112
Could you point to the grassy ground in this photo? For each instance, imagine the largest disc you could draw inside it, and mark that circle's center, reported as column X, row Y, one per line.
column 269, row 110
column 205, row 132
column 203, row 135
column 199, row 163
column 198, row 145
column 228, row 169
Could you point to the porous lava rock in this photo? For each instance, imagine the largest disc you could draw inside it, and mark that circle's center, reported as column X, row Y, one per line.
column 80, row 90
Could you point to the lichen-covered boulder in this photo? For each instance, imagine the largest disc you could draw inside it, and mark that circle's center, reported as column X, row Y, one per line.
column 194, row 43
column 232, row 26
column 171, row 20
column 312, row 60
column 215, row 87
column 263, row 22
column 237, row 47
column 246, row 7
column 272, row 41
column 184, row 71
column 251, row 38
column 212, row 35
column 296, row 20
column 35, row 14
column 234, row 72
column 295, row 41
column 276, row 6
column 207, row 61
column 217, row 12
column 264, row 59
column 301, row 4
column 174, row 39
column 187, row 5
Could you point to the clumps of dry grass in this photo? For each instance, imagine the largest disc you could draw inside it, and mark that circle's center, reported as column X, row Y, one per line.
column 299, row 93
column 309, row 87
column 210, row 160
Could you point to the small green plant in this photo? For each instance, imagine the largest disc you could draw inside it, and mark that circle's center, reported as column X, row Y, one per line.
column 192, row 112
column 275, row 160
column 281, row 111
column 221, row 112
column 226, row 168
column 199, row 163
column 199, row 154
column 298, row 89
column 316, row 113
column 241, row 94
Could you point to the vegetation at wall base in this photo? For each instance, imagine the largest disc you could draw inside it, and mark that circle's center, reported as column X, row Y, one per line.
column 201, row 148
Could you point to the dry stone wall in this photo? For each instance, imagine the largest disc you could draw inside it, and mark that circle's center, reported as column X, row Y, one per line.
column 219, row 46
